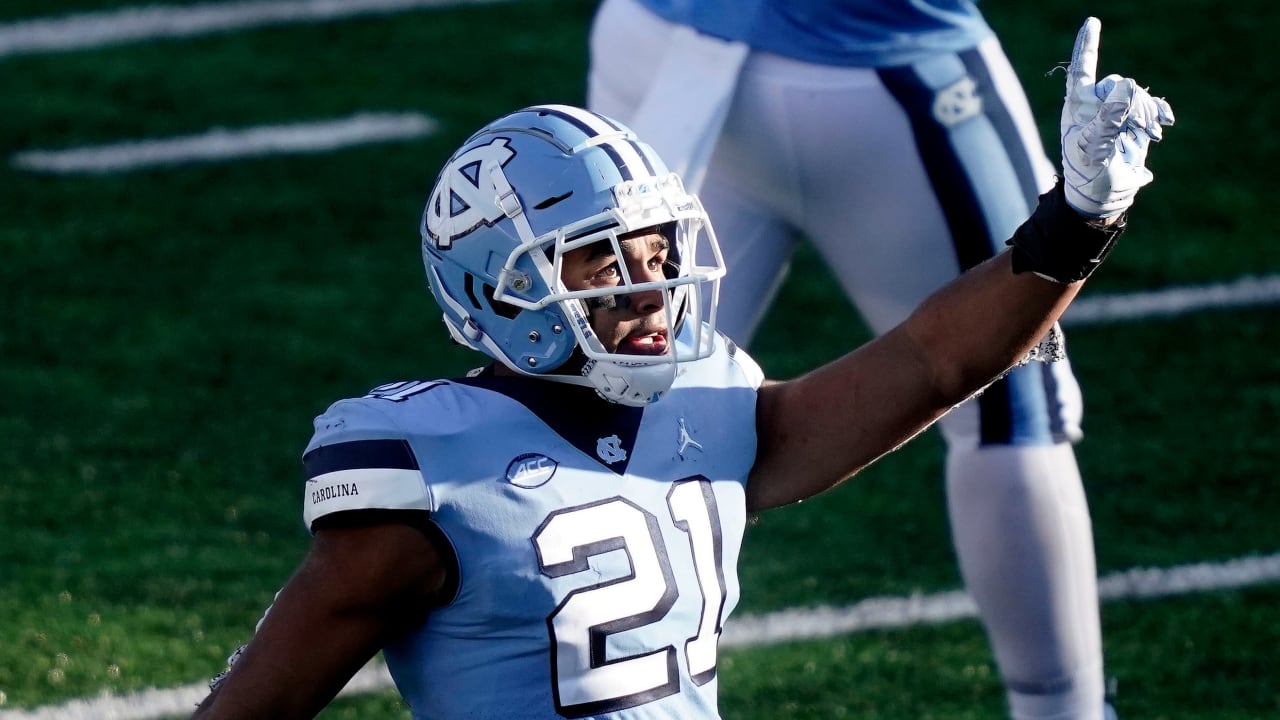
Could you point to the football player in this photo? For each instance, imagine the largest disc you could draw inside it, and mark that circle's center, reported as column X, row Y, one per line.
column 556, row 535
column 897, row 139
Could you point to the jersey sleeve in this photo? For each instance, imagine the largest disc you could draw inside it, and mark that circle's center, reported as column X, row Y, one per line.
column 360, row 459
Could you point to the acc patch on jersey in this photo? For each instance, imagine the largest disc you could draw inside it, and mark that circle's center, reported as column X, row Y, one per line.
column 531, row 470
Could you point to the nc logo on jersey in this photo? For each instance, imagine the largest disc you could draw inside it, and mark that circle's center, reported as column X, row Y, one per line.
column 609, row 449
column 957, row 102
column 531, row 470
column 472, row 200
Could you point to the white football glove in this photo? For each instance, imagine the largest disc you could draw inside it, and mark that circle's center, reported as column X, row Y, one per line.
column 1106, row 128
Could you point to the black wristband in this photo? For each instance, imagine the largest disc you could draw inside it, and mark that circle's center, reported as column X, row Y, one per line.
column 1060, row 244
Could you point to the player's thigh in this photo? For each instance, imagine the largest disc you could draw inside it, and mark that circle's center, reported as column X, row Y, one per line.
column 625, row 46
column 867, row 201
column 757, row 247
column 943, row 164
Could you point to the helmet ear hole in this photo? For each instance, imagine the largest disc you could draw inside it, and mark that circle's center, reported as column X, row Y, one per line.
column 501, row 309
column 469, row 286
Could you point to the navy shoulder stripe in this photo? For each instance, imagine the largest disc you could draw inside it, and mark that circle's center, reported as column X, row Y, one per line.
column 359, row 454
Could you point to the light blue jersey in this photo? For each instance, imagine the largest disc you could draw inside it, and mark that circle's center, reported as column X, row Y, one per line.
column 596, row 543
column 855, row 33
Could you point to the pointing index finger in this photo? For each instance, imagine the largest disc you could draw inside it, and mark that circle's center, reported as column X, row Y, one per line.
column 1083, row 70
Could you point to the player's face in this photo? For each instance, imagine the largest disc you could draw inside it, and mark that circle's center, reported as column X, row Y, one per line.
column 635, row 323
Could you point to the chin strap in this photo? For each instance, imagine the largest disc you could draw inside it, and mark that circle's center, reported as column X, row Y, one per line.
column 625, row 383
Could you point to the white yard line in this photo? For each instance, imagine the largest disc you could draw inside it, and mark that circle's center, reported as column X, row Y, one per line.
column 368, row 127
column 148, row 22
column 1242, row 292
column 169, row 702
column 225, row 144
column 363, row 128
column 750, row 631
column 899, row 612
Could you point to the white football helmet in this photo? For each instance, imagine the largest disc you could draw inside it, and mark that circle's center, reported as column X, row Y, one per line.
column 518, row 195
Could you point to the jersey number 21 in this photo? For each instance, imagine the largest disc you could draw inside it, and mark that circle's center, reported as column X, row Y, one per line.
column 585, row 681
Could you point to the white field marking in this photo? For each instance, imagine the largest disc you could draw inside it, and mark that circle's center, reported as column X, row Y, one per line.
column 749, row 631
column 224, row 144
column 892, row 612
column 169, row 702
column 135, row 24
column 1242, row 292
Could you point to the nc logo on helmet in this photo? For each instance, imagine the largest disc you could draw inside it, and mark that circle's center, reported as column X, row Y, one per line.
column 472, row 195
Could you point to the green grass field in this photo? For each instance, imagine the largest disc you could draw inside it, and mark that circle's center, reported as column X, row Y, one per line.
column 167, row 335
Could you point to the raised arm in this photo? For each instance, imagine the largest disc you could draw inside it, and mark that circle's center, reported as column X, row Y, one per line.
column 817, row 430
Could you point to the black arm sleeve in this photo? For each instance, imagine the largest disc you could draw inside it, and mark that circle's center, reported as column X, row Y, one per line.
column 1060, row 244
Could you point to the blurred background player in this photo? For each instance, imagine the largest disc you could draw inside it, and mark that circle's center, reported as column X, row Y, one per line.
column 895, row 137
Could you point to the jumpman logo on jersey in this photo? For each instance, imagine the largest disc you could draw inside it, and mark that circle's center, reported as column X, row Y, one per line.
column 609, row 449
column 686, row 441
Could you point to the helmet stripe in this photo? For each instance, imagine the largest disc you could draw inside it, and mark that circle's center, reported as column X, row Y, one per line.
column 631, row 159
column 640, row 152
column 591, row 124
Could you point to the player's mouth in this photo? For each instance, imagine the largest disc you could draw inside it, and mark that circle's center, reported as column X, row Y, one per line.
column 648, row 343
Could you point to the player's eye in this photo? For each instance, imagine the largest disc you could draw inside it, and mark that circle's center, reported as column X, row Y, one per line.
column 607, row 275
